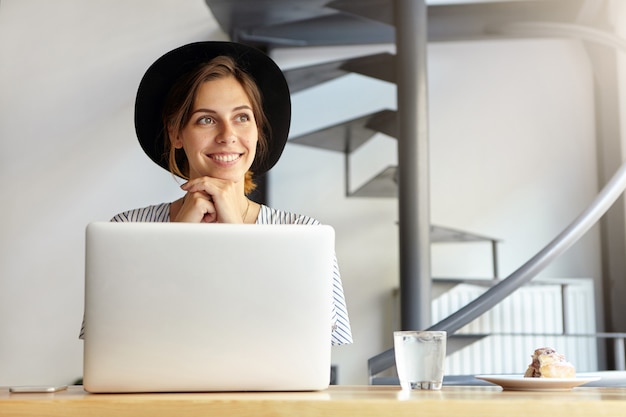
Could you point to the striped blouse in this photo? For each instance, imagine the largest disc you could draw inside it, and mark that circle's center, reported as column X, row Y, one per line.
column 340, row 325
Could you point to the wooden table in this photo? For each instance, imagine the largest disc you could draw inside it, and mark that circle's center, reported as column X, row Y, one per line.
column 348, row 401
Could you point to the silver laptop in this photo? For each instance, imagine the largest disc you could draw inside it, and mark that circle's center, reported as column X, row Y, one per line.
column 178, row 307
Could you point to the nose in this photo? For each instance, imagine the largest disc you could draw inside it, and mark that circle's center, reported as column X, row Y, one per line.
column 227, row 134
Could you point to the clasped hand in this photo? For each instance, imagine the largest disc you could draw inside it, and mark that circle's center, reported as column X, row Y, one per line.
column 211, row 200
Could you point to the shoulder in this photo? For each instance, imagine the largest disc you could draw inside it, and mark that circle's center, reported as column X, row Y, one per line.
column 269, row 215
column 155, row 213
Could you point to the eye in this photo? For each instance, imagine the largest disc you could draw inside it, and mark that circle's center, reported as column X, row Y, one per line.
column 242, row 118
column 205, row 120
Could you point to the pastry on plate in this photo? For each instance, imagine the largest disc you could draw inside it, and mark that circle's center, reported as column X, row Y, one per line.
column 548, row 363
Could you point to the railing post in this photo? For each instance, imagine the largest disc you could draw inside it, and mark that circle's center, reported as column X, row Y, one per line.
column 620, row 354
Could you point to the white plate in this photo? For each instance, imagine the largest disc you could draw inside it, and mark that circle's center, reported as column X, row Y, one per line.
column 521, row 383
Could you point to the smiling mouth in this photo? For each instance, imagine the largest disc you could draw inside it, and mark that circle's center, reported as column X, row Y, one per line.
column 225, row 157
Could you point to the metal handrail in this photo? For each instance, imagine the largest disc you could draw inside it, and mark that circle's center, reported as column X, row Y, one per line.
column 570, row 235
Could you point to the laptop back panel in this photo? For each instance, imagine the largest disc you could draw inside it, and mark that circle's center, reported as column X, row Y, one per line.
column 186, row 307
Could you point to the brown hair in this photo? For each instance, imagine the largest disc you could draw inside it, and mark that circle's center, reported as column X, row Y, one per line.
column 179, row 106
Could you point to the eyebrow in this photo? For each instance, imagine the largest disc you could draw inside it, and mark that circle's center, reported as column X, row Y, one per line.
column 203, row 110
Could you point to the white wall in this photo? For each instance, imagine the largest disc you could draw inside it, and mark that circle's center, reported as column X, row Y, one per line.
column 512, row 155
column 69, row 71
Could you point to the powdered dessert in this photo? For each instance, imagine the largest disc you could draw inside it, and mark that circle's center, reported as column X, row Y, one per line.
column 548, row 363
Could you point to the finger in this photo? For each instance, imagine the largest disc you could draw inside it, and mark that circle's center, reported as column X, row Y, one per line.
column 198, row 184
column 195, row 207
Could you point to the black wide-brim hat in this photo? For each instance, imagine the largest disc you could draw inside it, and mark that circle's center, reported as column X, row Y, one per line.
column 161, row 76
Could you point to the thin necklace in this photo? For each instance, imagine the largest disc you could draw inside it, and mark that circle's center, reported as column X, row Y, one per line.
column 245, row 213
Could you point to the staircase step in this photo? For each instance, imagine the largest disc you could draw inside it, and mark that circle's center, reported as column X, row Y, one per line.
column 347, row 136
column 383, row 185
column 303, row 78
column 378, row 66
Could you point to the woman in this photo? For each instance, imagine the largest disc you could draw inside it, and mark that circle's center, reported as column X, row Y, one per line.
column 216, row 114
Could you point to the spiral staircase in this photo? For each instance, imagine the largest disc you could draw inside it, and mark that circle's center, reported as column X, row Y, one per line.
column 270, row 24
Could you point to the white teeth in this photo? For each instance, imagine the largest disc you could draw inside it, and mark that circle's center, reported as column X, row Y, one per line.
column 225, row 158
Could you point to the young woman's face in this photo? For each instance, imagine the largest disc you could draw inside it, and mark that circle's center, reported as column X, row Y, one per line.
column 221, row 136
